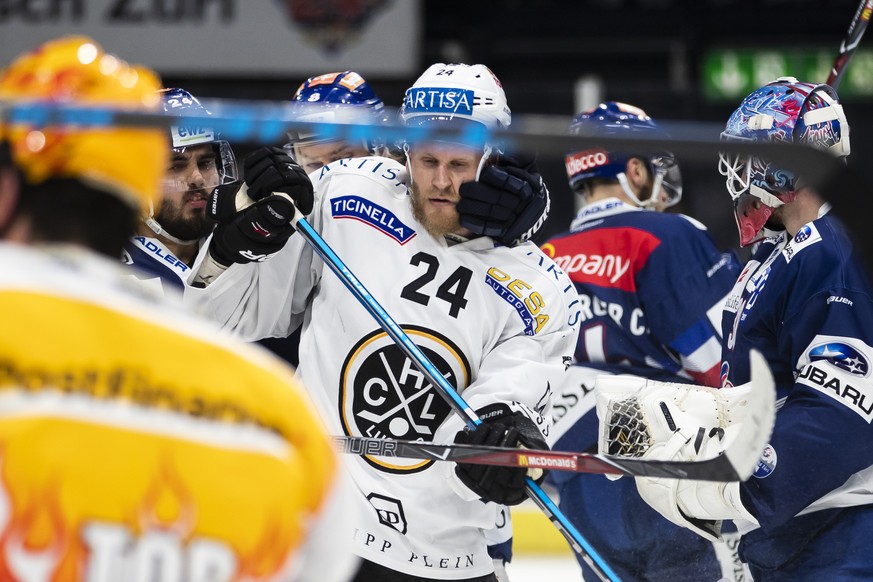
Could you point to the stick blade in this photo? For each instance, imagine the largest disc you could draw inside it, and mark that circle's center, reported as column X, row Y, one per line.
column 745, row 452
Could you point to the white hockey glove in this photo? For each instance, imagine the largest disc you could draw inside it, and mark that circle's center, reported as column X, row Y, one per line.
column 678, row 422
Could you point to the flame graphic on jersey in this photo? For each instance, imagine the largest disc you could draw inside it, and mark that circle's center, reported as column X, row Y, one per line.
column 168, row 505
column 269, row 557
column 33, row 539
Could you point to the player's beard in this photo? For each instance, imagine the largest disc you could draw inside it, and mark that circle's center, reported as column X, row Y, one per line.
column 437, row 223
column 171, row 217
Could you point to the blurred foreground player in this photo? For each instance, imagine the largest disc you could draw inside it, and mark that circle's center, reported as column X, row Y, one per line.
column 136, row 443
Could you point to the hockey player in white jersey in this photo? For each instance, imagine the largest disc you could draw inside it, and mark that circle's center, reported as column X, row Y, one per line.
column 493, row 314
column 804, row 301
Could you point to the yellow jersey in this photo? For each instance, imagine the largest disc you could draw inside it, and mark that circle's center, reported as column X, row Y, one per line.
column 140, row 443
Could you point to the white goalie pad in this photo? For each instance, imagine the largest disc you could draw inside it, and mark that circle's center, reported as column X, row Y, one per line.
column 683, row 422
column 667, row 421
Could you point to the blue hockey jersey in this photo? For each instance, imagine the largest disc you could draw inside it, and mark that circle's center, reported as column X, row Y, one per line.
column 155, row 263
column 651, row 287
column 806, row 304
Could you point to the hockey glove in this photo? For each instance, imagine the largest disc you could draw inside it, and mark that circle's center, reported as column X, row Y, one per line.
column 253, row 222
column 509, row 202
column 271, row 169
column 676, row 422
column 504, row 428
column 254, row 234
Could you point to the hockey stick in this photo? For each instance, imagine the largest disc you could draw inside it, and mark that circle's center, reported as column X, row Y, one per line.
column 736, row 463
column 853, row 36
column 441, row 385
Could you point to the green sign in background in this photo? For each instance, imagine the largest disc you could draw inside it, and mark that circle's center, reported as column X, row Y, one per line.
column 733, row 74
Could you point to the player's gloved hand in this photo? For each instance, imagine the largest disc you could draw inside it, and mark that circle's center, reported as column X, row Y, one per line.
column 509, row 202
column 255, row 233
column 254, row 220
column 271, row 169
column 504, row 428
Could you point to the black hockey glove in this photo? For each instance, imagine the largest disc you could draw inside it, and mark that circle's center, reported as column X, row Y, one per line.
column 253, row 234
column 255, row 223
column 509, row 202
column 504, row 428
column 271, row 169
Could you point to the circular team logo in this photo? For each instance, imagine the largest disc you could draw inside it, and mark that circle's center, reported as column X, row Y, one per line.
column 767, row 463
column 384, row 395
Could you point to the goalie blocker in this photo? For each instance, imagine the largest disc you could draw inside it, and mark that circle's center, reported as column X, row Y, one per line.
column 652, row 420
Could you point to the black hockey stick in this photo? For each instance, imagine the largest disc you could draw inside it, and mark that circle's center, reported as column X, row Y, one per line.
column 853, row 36
column 736, row 463
column 716, row 469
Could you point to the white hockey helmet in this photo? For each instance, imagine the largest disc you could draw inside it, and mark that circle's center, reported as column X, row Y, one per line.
column 456, row 92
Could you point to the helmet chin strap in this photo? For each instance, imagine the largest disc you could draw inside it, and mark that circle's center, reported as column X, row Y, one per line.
column 159, row 230
column 408, row 164
column 625, row 185
column 485, row 155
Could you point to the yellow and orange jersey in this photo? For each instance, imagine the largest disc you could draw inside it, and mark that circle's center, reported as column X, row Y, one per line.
column 138, row 443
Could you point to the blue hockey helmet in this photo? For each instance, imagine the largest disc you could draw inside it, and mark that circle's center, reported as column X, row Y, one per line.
column 343, row 97
column 180, row 102
column 613, row 118
column 784, row 110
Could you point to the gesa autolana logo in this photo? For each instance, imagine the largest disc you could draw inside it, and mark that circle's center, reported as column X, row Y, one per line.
column 383, row 395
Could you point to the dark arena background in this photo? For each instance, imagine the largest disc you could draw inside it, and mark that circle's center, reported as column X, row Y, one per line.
column 690, row 60
column 685, row 62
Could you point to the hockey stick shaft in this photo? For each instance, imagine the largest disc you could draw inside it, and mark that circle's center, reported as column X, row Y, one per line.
column 441, row 385
column 715, row 469
column 853, row 36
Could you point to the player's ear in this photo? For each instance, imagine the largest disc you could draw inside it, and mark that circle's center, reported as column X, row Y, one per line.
column 637, row 173
column 9, row 192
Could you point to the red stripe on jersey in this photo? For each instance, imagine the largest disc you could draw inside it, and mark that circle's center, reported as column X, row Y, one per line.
column 606, row 257
column 711, row 377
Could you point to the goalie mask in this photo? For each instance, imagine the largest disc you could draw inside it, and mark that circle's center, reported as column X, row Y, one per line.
column 217, row 167
column 622, row 120
column 466, row 96
column 334, row 98
column 784, row 110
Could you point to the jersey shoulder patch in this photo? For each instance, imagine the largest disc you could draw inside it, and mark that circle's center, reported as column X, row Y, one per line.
column 807, row 236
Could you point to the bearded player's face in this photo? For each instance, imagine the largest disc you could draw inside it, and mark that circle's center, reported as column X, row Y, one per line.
column 191, row 177
column 438, row 170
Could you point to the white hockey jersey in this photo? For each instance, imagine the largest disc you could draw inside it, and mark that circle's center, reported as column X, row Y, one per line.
column 498, row 322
